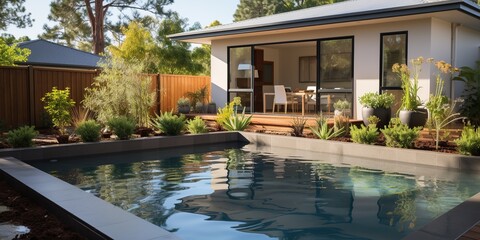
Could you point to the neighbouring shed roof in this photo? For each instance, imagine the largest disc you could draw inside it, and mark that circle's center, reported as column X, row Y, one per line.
column 46, row 53
column 348, row 11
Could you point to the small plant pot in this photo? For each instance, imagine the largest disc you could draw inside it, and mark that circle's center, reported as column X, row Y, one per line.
column 62, row 139
column 416, row 118
column 143, row 131
column 212, row 108
column 183, row 109
column 384, row 114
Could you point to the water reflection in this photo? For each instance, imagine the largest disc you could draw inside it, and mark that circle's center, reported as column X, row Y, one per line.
column 254, row 195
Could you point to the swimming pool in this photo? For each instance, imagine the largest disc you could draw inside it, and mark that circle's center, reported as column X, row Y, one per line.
column 245, row 192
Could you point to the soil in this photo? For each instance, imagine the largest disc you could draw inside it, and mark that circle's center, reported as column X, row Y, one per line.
column 23, row 211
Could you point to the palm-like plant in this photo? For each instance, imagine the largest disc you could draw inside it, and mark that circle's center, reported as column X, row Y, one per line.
column 237, row 122
column 322, row 130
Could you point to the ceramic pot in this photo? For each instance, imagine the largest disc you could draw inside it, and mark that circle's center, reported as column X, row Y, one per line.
column 416, row 118
column 384, row 114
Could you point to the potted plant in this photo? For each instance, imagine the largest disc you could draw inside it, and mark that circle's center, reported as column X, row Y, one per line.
column 58, row 106
column 410, row 113
column 378, row 105
column 342, row 107
column 183, row 105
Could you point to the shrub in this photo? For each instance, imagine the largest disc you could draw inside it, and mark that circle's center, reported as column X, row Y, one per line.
column 121, row 89
column 471, row 94
column 183, row 102
column 169, row 123
column 89, row 131
column 342, row 105
column 341, row 123
column 365, row 134
column 198, row 96
column 375, row 100
column 237, row 122
column 399, row 135
column 322, row 131
column 298, row 124
column 469, row 141
column 196, row 125
column 22, row 136
column 58, row 105
column 410, row 98
column 122, row 126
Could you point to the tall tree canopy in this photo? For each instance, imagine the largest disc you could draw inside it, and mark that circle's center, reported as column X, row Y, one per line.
column 80, row 22
column 10, row 53
column 12, row 12
column 248, row 9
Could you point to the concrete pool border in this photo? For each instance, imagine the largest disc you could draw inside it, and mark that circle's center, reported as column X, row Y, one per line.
column 104, row 221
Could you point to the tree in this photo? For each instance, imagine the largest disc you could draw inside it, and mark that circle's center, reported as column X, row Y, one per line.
column 10, row 54
column 138, row 45
column 248, row 9
column 13, row 12
column 83, row 21
column 202, row 55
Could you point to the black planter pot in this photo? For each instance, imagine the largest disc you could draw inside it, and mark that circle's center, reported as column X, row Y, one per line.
column 384, row 114
column 416, row 118
column 184, row 109
column 212, row 108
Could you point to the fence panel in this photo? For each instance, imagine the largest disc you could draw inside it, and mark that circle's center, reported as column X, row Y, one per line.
column 47, row 78
column 14, row 96
column 173, row 87
column 22, row 87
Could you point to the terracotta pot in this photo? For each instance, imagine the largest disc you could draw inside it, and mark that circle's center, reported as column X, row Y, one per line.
column 416, row 118
column 384, row 114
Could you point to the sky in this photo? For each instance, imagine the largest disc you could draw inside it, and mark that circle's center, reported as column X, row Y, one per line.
column 202, row 11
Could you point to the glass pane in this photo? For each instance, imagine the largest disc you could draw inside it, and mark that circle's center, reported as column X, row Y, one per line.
column 246, row 100
column 394, row 51
column 308, row 69
column 336, row 64
column 240, row 68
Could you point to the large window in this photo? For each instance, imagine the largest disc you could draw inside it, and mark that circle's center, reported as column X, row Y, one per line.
column 308, row 69
column 240, row 80
column 393, row 50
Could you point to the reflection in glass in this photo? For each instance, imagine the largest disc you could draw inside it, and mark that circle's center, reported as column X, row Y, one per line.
column 240, row 68
column 394, row 48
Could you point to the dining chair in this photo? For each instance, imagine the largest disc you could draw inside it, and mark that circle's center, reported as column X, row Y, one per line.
column 312, row 99
column 281, row 98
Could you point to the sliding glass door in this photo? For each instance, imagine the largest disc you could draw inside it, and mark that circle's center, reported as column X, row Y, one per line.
column 335, row 71
column 240, row 75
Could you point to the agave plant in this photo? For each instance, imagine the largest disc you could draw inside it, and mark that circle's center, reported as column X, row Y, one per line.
column 237, row 122
column 322, row 130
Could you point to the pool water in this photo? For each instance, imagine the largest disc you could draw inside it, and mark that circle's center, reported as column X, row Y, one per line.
column 240, row 192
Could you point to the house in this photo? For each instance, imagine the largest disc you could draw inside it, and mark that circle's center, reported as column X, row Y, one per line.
column 344, row 49
column 46, row 53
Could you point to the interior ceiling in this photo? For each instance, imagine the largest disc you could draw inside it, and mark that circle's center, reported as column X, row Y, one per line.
column 288, row 45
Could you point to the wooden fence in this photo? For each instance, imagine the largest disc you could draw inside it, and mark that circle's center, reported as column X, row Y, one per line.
column 22, row 87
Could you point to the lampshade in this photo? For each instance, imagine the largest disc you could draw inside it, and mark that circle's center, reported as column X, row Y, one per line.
column 256, row 74
column 244, row 66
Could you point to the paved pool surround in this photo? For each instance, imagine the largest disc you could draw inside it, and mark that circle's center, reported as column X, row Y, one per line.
column 98, row 219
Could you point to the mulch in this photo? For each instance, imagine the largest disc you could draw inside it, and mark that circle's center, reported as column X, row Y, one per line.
column 23, row 211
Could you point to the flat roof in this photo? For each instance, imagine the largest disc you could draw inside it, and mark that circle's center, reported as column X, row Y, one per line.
column 342, row 12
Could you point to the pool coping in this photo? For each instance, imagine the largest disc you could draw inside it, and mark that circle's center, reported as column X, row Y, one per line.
column 71, row 203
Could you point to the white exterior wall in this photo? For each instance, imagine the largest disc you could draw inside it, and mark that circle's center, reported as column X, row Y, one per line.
column 426, row 37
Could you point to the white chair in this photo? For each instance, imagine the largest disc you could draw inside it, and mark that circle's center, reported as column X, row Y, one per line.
column 312, row 99
column 281, row 98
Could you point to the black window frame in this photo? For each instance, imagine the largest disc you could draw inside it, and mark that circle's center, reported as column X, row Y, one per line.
column 381, row 88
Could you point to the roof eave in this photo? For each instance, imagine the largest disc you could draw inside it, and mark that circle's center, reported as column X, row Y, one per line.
column 466, row 7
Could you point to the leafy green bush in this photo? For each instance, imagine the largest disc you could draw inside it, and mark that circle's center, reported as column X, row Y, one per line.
column 365, row 134
column 121, row 89
column 89, row 131
column 322, row 131
column 375, row 100
column 342, row 105
column 469, row 141
column 169, row 123
column 58, row 105
column 471, row 94
column 237, row 122
column 122, row 126
column 22, row 136
column 399, row 135
column 298, row 124
column 196, row 125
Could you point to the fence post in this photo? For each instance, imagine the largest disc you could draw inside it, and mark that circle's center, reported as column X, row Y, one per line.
column 31, row 97
column 159, row 107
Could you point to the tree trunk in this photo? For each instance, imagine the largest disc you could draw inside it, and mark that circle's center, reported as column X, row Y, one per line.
column 98, row 38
